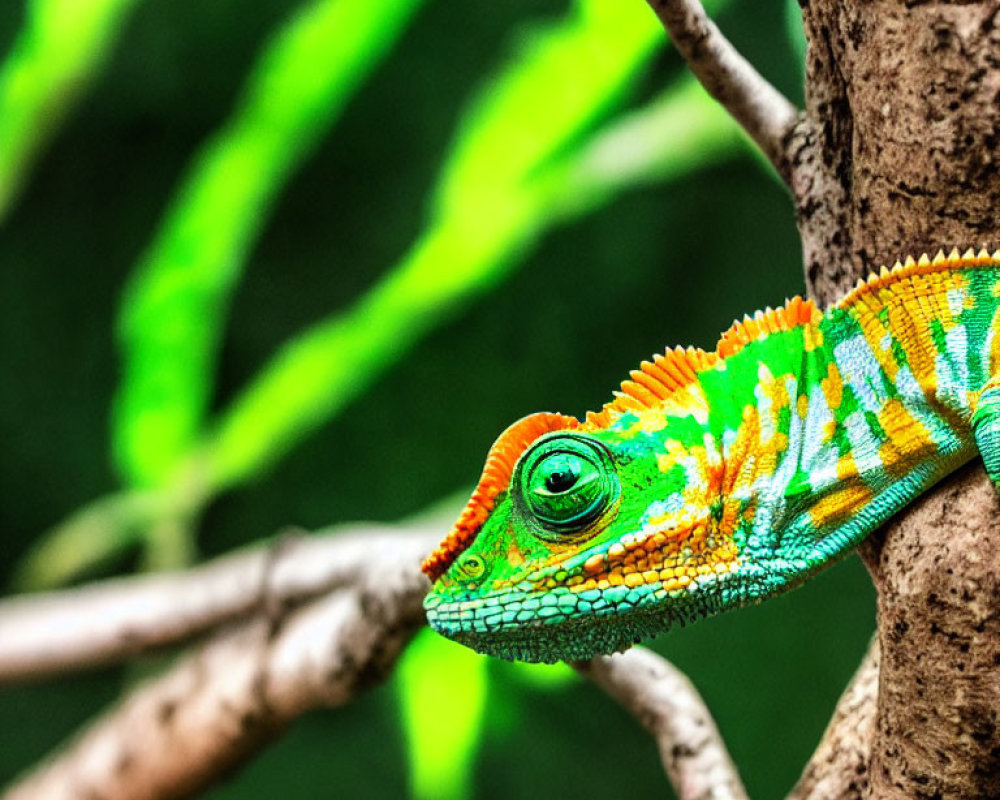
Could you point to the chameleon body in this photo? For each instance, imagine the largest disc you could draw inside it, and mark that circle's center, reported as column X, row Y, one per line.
column 716, row 479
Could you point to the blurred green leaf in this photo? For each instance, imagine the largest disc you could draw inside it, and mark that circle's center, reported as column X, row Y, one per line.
column 460, row 256
column 677, row 132
column 174, row 308
column 541, row 676
column 442, row 700
column 331, row 363
column 560, row 81
column 55, row 56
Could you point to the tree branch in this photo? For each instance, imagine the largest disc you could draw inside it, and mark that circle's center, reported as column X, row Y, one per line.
column 765, row 114
column 117, row 619
column 182, row 731
column 668, row 706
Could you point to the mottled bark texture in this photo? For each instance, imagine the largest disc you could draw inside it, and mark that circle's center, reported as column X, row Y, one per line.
column 937, row 571
column 902, row 124
column 897, row 155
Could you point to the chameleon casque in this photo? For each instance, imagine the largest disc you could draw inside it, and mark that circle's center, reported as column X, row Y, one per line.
column 716, row 479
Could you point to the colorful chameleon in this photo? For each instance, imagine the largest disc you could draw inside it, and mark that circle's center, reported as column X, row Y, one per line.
column 715, row 480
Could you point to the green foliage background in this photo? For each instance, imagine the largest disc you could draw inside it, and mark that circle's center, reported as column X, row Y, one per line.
column 281, row 262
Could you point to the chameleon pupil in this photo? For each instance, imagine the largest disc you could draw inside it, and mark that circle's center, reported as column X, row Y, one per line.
column 562, row 480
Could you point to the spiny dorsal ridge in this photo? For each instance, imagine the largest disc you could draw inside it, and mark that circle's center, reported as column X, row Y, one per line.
column 764, row 323
column 923, row 266
column 654, row 382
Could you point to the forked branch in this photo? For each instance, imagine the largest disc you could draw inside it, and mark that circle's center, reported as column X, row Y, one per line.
column 216, row 707
column 111, row 621
column 303, row 623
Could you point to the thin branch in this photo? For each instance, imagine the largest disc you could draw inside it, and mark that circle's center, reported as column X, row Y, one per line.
column 110, row 621
column 668, row 706
column 838, row 769
column 766, row 115
column 214, row 709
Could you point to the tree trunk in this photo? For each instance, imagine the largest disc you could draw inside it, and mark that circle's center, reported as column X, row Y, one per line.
column 902, row 128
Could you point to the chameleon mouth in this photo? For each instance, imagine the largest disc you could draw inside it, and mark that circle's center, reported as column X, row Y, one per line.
column 557, row 626
column 541, row 640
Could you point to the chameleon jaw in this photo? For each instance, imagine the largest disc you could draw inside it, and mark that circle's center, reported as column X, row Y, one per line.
column 546, row 643
column 542, row 639
column 564, row 625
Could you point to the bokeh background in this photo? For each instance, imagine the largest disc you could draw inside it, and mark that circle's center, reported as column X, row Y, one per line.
column 280, row 262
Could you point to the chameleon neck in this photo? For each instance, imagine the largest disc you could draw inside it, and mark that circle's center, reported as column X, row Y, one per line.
column 828, row 429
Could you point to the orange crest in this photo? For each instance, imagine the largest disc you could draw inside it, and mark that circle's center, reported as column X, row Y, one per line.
column 495, row 479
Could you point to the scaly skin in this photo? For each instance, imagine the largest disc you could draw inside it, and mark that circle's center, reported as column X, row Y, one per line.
column 715, row 480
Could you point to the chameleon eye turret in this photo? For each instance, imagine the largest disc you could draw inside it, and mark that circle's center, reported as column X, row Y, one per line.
column 470, row 569
column 567, row 481
column 714, row 480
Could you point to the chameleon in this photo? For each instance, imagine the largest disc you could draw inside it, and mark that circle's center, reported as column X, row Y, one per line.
column 714, row 480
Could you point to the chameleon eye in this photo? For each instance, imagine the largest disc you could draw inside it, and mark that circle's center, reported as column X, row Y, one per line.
column 567, row 481
column 471, row 568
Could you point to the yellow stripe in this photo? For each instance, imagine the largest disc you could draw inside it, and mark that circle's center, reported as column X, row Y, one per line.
column 840, row 504
column 909, row 441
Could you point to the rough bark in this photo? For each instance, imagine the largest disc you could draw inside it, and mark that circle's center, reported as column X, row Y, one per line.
column 937, row 571
column 903, row 100
column 902, row 126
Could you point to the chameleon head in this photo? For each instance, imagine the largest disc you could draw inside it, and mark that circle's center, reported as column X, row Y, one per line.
column 582, row 540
